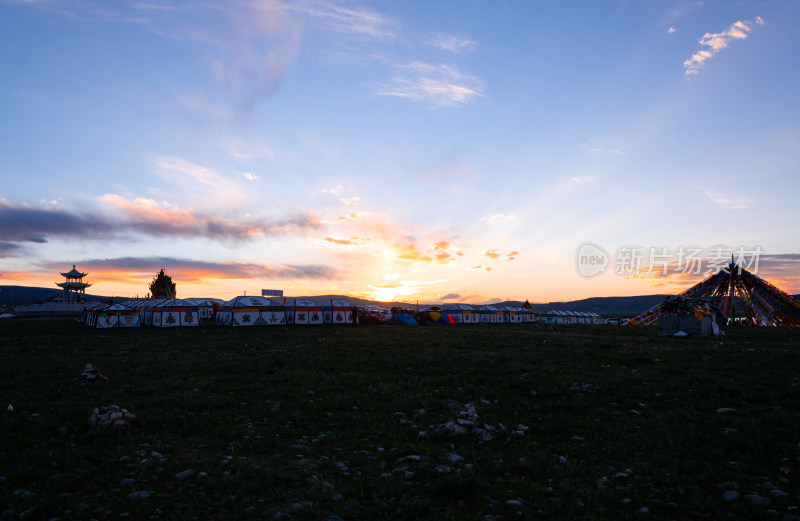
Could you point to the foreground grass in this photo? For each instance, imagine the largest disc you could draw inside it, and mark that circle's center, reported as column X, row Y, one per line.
column 319, row 422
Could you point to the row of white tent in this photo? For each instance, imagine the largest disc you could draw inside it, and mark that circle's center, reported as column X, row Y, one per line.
column 572, row 317
column 263, row 311
column 239, row 311
column 465, row 314
column 154, row 313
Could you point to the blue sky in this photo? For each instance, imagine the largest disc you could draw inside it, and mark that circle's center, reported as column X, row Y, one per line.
column 441, row 151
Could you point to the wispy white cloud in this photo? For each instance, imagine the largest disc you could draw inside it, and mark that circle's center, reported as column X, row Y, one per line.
column 346, row 17
column 249, row 44
column 713, row 43
column 729, row 202
column 671, row 30
column 499, row 218
column 199, row 106
column 244, row 151
column 451, row 43
column 336, row 190
column 250, row 176
column 199, row 181
column 439, row 85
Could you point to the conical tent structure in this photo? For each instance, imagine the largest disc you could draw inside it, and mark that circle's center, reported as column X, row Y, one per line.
column 742, row 297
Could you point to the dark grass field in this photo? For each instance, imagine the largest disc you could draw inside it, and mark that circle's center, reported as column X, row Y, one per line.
column 319, row 422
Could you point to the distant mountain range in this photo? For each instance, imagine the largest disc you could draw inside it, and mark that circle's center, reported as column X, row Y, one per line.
column 18, row 295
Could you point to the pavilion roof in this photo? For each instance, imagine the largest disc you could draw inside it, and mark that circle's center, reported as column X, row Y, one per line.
column 74, row 274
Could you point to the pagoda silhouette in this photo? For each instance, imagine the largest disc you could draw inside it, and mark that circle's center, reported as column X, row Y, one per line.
column 74, row 287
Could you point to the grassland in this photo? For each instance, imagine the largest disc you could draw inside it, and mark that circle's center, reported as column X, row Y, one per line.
column 341, row 423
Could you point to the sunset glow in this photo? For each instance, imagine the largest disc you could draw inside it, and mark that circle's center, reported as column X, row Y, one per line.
column 396, row 151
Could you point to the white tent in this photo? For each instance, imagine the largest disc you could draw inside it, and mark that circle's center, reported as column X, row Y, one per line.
column 205, row 306
column 337, row 311
column 490, row 315
column 171, row 313
column 303, row 311
column 251, row 311
column 512, row 315
column 116, row 315
column 462, row 313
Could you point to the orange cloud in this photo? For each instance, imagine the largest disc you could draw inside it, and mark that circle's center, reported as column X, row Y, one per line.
column 512, row 255
column 349, row 217
column 492, row 254
column 352, row 241
column 410, row 252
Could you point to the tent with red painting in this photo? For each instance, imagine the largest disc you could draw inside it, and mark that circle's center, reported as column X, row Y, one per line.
column 115, row 315
column 303, row 312
column 337, row 311
column 742, row 298
column 173, row 313
column 245, row 311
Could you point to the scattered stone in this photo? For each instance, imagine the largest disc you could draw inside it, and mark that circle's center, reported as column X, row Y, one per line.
column 481, row 434
column 337, row 498
column 520, row 430
column 128, row 482
column 111, row 416
column 444, row 469
column 89, row 376
column 454, row 458
column 778, row 493
column 465, row 420
column 514, row 503
column 583, row 388
column 139, row 495
column 186, row 474
column 725, row 409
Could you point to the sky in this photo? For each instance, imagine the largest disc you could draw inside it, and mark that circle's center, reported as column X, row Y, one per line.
column 450, row 151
